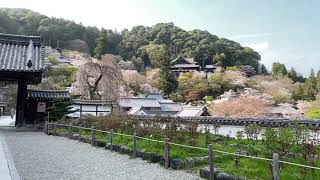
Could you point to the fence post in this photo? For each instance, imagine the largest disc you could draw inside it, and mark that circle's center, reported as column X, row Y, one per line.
column 70, row 130
column 93, row 136
column 55, row 126
column 275, row 166
column 79, row 131
column 134, row 154
column 166, row 153
column 46, row 127
column 211, row 167
column 111, row 139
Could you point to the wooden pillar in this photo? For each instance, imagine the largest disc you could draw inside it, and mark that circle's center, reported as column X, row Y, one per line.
column 211, row 167
column 275, row 166
column 93, row 136
column 80, row 110
column 134, row 154
column 166, row 153
column 21, row 99
column 111, row 139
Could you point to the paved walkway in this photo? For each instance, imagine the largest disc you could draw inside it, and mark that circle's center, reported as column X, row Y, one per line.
column 38, row 156
column 7, row 168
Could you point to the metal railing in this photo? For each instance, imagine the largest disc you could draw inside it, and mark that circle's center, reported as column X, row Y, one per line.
column 275, row 162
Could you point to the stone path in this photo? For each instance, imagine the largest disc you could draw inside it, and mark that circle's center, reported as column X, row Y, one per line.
column 38, row 156
column 7, row 168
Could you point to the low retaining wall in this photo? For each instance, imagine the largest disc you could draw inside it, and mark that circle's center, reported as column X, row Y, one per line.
column 267, row 122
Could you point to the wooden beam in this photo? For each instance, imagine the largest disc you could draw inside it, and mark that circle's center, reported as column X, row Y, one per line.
column 21, row 99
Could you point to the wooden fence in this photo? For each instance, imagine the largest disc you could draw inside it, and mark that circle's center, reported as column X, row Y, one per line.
column 51, row 128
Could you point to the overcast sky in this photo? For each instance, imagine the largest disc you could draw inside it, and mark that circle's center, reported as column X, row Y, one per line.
column 280, row 30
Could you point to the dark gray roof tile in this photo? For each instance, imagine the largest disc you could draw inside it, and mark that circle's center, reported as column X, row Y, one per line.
column 16, row 51
column 48, row 94
column 90, row 102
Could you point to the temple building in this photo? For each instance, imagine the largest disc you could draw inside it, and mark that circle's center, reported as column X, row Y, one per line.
column 21, row 61
column 38, row 102
column 181, row 64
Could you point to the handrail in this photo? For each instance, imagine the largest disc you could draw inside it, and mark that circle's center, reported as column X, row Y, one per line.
column 301, row 165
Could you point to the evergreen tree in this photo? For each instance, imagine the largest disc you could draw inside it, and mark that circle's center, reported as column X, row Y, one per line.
column 167, row 79
column 298, row 94
column 292, row 74
column 279, row 69
column 318, row 74
column 318, row 80
column 309, row 91
column 313, row 81
column 264, row 70
column 59, row 109
column 101, row 42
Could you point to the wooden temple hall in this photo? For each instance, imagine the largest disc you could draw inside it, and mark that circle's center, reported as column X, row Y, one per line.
column 21, row 61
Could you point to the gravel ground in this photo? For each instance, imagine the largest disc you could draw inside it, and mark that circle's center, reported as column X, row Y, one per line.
column 38, row 156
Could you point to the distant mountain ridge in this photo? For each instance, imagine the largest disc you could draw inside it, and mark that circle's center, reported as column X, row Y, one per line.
column 138, row 44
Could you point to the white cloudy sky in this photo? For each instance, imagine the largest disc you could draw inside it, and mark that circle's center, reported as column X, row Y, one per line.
column 284, row 31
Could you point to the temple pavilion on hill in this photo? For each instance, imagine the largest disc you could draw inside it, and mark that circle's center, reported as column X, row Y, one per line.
column 181, row 64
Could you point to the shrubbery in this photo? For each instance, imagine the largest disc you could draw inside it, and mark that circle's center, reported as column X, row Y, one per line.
column 294, row 144
column 314, row 113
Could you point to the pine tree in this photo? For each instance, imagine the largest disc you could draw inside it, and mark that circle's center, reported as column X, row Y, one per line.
column 264, row 70
column 279, row 69
column 101, row 42
column 168, row 82
column 313, row 81
column 308, row 91
column 293, row 75
column 318, row 80
column 298, row 94
column 59, row 109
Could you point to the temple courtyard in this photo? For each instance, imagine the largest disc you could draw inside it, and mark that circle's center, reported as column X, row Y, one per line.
column 26, row 154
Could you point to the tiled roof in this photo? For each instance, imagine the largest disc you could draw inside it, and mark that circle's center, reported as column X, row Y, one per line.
column 90, row 102
column 48, row 94
column 137, row 111
column 156, row 96
column 139, row 102
column 21, row 53
column 191, row 112
column 185, row 66
column 180, row 58
column 170, row 106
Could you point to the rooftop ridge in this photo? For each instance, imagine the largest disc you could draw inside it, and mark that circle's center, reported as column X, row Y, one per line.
column 20, row 39
column 139, row 98
column 34, row 90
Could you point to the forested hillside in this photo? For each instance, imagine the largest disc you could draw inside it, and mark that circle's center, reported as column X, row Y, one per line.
column 205, row 47
column 141, row 44
column 55, row 30
column 154, row 47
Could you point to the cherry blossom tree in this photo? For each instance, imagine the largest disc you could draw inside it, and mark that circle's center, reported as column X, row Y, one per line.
column 244, row 106
column 99, row 80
